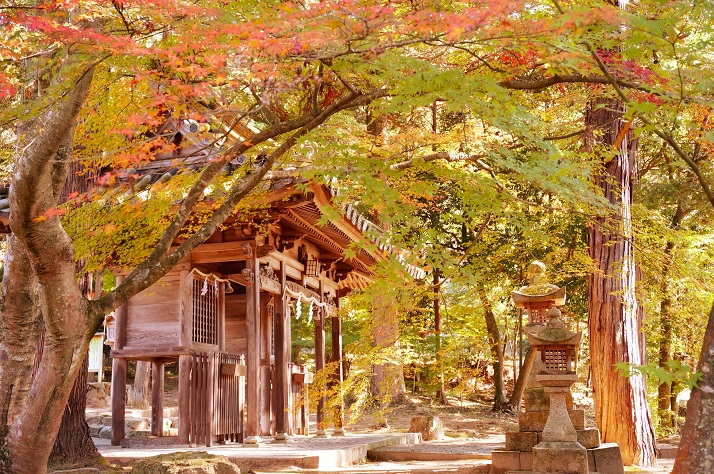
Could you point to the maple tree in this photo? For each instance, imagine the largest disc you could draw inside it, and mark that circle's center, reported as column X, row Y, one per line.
column 287, row 78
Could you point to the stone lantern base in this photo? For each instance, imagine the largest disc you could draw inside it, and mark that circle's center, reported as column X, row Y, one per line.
column 562, row 457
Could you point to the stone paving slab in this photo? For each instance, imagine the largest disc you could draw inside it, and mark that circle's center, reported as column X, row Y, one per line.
column 444, row 450
column 304, row 452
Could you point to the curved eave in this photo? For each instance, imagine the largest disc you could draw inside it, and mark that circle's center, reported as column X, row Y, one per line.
column 521, row 300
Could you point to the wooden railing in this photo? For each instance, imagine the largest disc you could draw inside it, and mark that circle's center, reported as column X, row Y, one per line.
column 216, row 391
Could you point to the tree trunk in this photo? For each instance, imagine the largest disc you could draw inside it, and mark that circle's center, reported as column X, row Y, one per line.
column 74, row 443
column 140, row 390
column 696, row 449
column 440, row 393
column 388, row 381
column 519, row 387
column 494, row 340
column 43, row 249
column 621, row 410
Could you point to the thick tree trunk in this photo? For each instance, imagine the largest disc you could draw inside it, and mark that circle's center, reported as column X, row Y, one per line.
column 621, row 410
column 494, row 340
column 140, row 390
column 45, row 251
column 74, row 442
column 696, row 449
column 388, row 381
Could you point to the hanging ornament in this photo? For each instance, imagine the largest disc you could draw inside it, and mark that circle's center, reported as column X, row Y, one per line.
column 204, row 288
column 309, row 312
column 298, row 307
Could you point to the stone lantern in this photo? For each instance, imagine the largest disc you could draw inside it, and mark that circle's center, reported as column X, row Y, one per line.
column 558, row 450
column 538, row 297
column 551, row 436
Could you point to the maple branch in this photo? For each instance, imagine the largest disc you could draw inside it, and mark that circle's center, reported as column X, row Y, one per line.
column 521, row 84
column 159, row 262
column 563, row 137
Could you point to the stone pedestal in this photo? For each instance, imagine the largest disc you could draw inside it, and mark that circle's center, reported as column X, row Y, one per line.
column 561, row 457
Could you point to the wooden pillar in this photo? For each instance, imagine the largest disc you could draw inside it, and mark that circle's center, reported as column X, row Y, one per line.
column 265, row 363
column 157, row 398
column 118, row 399
column 184, row 399
column 338, row 375
column 118, row 389
column 120, row 316
column 320, row 365
column 252, row 362
column 281, row 330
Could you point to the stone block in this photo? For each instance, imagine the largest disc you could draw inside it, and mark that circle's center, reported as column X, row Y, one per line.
column 560, row 457
column 589, row 437
column 527, row 461
column 137, row 424
column 521, row 440
column 666, row 451
column 535, row 399
column 106, row 432
column 430, row 427
column 608, row 459
column 94, row 430
column 195, row 462
column 93, row 419
column 503, row 461
column 535, row 420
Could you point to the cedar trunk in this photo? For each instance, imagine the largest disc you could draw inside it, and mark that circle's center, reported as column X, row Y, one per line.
column 696, row 449
column 621, row 410
column 140, row 389
column 388, row 380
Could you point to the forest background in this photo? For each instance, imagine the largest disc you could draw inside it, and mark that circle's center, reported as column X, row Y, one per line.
column 477, row 136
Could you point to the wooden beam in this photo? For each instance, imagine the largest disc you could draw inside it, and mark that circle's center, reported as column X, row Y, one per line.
column 157, row 398
column 219, row 252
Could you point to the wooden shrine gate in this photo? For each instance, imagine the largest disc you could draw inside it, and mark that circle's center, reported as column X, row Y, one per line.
column 216, row 398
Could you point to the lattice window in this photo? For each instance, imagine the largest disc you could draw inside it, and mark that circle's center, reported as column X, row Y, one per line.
column 556, row 360
column 206, row 312
column 538, row 316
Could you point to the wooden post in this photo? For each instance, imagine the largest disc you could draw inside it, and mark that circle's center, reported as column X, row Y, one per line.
column 338, row 376
column 118, row 400
column 211, row 381
column 120, row 316
column 281, row 324
column 265, row 359
column 184, row 399
column 320, row 365
column 252, row 323
column 157, row 398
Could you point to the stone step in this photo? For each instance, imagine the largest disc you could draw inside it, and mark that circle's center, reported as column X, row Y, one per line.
column 105, row 432
column 666, row 451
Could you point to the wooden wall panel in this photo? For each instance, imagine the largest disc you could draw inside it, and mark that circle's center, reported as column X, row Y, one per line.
column 153, row 315
column 235, row 324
